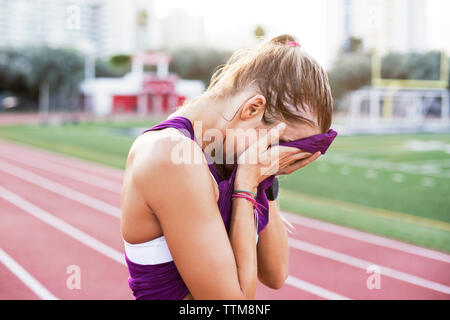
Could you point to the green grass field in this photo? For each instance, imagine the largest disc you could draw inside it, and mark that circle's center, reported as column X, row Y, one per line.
column 393, row 185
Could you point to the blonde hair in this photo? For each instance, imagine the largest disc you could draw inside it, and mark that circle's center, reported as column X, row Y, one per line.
column 285, row 74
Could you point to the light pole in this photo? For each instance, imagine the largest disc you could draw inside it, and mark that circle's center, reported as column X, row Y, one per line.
column 87, row 47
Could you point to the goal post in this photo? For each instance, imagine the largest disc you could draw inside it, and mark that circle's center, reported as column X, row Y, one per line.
column 378, row 81
column 401, row 101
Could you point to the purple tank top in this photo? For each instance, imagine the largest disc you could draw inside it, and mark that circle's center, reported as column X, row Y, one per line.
column 162, row 281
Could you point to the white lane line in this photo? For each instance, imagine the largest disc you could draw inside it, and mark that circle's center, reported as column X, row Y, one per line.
column 427, row 182
column 319, row 225
column 24, row 276
column 370, row 174
column 427, row 170
column 62, row 159
column 363, row 264
column 59, row 189
column 316, row 290
column 62, row 226
column 39, row 180
column 442, row 162
column 366, row 237
column 72, row 174
column 398, row 177
column 106, row 250
column 358, row 235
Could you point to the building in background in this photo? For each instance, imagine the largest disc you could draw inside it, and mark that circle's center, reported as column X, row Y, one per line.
column 141, row 92
column 384, row 25
column 389, row 105
column 58, row 23
column 179, row 29
column 99, row 27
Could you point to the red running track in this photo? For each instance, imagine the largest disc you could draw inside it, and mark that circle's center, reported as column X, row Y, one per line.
column 58, row 212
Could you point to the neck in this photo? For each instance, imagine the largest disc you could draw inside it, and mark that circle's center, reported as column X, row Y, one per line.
column 209, row 119
column 205, row 115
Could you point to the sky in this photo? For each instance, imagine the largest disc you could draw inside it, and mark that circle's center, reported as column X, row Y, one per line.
column 230, row 23
column 438, row 24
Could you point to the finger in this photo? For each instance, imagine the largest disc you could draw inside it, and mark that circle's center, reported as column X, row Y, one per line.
column 299, row 164
column 301, row 155
column 283, row 156
column 271, row 137
column 291, row 168
column 292, row 158
column 278, row 155
column 303, row 163
column 280, row 152
column 269, row 155
column 289, row 150
column 273, row 161
column 312, row 158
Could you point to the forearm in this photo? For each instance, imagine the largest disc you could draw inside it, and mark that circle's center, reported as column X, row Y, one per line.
column 273, row 250
column 243, row 242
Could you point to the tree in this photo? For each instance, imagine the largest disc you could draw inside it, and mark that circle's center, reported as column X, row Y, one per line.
column 420, row 66
column 25, row 71
column 352, row 71
column 353, row 45
column 120, row 64
column 142, row 19
column 259, row 32
column 198, row 64
column 349, row 72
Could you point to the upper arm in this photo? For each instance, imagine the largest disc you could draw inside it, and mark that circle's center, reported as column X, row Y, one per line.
column 184, row 202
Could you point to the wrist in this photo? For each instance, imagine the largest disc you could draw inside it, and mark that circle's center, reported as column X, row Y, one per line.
column 245, row 185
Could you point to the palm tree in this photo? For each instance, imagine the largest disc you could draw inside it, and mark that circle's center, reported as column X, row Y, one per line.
column 259, row 32
column 142, row 23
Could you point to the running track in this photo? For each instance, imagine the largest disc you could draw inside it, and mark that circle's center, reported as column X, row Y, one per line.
column 57, row 212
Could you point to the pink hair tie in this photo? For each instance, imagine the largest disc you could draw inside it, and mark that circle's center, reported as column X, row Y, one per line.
column 293, row 44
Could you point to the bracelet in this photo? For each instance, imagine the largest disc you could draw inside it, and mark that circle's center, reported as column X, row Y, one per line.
column 243, row 191
column 252, row 200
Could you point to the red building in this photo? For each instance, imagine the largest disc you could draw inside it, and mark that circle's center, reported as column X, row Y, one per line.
column 157, row 92
column 139, row 91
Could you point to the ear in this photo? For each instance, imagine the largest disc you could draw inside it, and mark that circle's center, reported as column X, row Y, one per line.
column 254, row 107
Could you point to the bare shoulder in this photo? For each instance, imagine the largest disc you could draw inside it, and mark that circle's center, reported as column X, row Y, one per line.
column 161, row 155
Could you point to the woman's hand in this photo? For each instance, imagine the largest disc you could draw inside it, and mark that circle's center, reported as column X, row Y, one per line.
column 300, row 163
column 259, row 161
